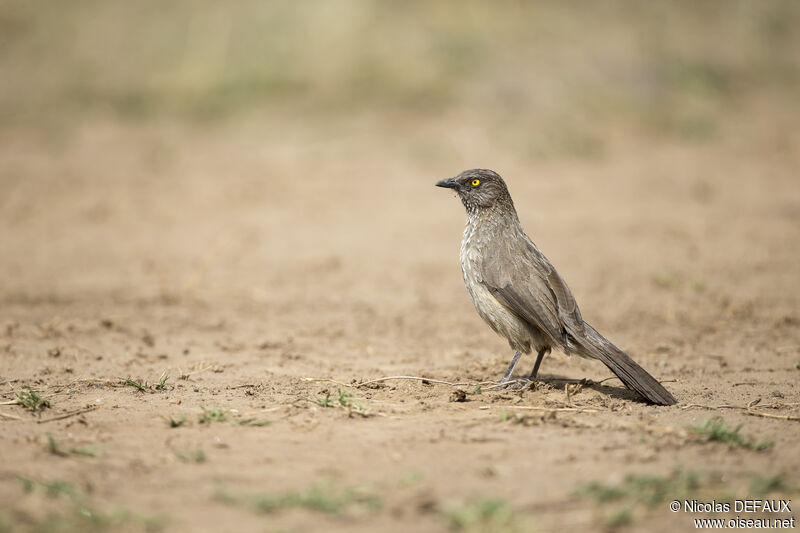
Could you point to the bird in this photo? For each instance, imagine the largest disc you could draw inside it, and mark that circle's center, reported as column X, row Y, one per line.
column 521, row 296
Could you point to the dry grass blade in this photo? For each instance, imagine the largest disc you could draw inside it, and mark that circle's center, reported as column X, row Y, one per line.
column 749, row 409
column 388, row 378
column 67, row 415
column 418, row 378
column 551, row 409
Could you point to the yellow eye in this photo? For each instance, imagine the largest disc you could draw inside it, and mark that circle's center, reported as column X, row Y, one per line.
column 476, row 182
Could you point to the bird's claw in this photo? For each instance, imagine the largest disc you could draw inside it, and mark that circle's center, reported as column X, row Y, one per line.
column 518, row 384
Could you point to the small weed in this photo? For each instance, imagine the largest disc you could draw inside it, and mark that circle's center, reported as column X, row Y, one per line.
column 665, row 279
column 761, row 486
column 717, row 430
column 224, row 495
column 254, row 422
column 55, row 488
column 697, row 285
column 410, row 480
column 344, row 399
column 162, row 382
column 89, row 450
column 190, row 456
column 52, row 445
column 58, row 488
column 482, row 515
column 31, row 400
column 215, row 414
column 619, row 502
column 619, row 518
column 130, row 383
column 671, row 280
column 326, row 401
column 145, row 385
column 176, row 422
column 81, row 516
column 27, row 484
column 648, row 490
column 322, row 498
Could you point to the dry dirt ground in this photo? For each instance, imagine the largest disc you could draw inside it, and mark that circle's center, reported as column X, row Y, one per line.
column 266, row 281
column 210, row 304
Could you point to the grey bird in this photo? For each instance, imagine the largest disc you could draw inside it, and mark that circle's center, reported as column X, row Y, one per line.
column 520, row 295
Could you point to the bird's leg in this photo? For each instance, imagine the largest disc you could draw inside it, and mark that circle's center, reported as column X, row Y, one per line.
column 511, row 367
column 538, row 362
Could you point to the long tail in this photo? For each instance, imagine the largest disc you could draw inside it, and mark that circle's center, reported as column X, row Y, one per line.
column 634, row 376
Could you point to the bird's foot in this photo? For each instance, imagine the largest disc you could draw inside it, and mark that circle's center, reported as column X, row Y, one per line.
column 517, row 384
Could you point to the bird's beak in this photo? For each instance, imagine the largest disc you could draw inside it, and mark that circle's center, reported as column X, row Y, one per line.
column 449, row 183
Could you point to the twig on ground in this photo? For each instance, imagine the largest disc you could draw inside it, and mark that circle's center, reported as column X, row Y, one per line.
column 417, row 378
column 749, row 409
column 387, row 378
column 67, row 415
column 556, row 409
column 12, row 417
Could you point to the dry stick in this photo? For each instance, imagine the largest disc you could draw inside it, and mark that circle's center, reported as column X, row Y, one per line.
column 12, row 417
column 429, row 380
column 67, row 415
column 693, row 405
column 749, row 409
column 417, row 378
column 770, row 415
column 559, row 409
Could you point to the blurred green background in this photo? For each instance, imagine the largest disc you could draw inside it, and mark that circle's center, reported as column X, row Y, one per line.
column 262, row 124
column 563, row 68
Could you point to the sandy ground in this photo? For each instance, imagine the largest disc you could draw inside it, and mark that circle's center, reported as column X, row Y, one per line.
column 233, row 207
column 263, row 278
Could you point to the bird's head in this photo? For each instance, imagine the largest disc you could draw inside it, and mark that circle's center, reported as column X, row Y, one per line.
column 479, row 189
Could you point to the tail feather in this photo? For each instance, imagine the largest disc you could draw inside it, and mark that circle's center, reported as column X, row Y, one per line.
column 594, row 345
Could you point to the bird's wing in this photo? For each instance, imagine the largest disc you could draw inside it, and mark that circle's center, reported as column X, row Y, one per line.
column 531, row 287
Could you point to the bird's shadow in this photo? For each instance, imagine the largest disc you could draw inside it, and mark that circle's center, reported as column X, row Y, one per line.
column 620, row 393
